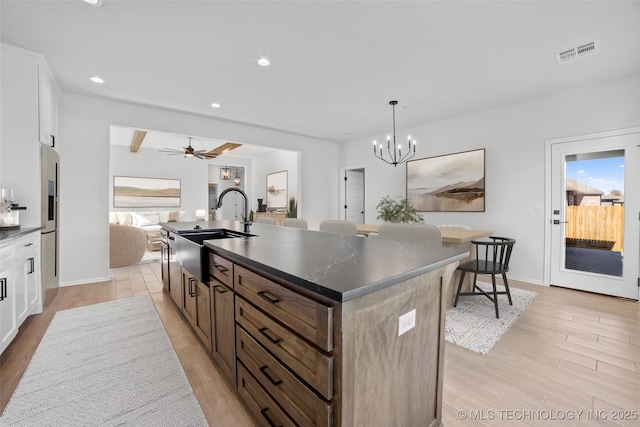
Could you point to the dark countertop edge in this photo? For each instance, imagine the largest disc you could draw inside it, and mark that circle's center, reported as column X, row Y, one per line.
column 329, row 293
column 13, row 234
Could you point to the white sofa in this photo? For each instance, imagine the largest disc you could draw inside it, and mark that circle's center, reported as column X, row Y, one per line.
column 148, row 221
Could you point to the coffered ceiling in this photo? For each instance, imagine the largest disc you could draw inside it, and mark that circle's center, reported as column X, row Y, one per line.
column 335, row 65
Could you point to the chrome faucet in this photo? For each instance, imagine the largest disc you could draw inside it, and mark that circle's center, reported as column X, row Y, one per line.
column 246, row 221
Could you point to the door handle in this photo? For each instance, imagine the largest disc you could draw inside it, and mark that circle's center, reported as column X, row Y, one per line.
column 3, row 288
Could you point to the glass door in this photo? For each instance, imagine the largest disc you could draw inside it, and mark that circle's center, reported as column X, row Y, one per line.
column 594, row 221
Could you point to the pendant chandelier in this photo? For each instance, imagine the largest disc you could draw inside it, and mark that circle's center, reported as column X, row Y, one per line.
column 394, row 149
column 225, row 173
column 237, row 179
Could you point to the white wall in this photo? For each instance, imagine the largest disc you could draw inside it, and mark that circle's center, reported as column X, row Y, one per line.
column 514, row 138
column 84, row 148
column 147, row 163
column 276, row 162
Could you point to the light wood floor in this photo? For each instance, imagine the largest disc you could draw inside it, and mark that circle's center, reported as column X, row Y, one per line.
column 570, row 358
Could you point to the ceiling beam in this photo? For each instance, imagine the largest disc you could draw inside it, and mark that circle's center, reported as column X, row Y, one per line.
column 136, row 141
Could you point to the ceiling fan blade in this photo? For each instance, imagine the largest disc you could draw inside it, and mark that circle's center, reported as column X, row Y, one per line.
column 224, row 148
column 172, row 151
column 136, row 141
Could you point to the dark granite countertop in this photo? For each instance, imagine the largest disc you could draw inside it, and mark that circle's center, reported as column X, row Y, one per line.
column 336, row 266
column 12, row 234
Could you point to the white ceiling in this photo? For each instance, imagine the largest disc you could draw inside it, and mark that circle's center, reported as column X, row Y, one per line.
column 335, row 64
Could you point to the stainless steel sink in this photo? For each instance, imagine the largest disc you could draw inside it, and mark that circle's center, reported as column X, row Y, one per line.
column 192, row 254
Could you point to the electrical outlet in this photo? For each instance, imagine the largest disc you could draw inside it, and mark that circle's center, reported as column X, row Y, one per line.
column 406, row 322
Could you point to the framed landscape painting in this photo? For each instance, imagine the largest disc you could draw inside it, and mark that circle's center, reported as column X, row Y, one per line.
column 133, row 192
column 449, row 183
column 277, row 190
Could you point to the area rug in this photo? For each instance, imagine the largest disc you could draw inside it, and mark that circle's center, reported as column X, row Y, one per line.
column 105, row 365
column 473, row 324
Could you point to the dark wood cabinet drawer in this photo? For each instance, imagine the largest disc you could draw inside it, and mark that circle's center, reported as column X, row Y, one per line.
column 221, row 268
column 264, row 409
column 309, row 318
column 297, row 399
column 312, row 365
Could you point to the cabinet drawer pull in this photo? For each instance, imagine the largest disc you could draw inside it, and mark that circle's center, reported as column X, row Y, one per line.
column 172, row 238
column 191, row 293
column 264, row 295
column 220, row 268
column 28, row 244
column 267, row 336
column 219, row 289
column 269, row 377
column 3, row 288
column 264, row 414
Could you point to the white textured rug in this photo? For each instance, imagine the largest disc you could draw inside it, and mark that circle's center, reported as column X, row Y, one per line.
column 105, row 365
column 473, row 324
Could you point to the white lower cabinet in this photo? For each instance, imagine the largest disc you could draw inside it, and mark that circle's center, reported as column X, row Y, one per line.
column 27, row 275
column 8, row 318
column 20, row 289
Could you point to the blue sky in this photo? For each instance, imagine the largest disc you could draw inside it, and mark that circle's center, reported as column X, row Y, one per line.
column 603, row 174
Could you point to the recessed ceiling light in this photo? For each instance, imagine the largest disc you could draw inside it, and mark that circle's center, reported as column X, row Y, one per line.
column 215, row 105
column 263, row 62
column 94, row 2
column 97, row 80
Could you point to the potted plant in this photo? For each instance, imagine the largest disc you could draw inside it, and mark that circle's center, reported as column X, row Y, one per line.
column 390, row 210
column 292, row 212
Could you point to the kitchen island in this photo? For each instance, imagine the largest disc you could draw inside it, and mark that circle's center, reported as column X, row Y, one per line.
column 324, row 329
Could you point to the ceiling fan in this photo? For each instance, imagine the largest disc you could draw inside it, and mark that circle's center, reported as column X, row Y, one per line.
column 201, row 154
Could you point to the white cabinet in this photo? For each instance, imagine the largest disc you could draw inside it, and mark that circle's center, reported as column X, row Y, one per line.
column 20, row 289
column 8, row 318
column 29, row 96
column 27, row 276
column 48, row 95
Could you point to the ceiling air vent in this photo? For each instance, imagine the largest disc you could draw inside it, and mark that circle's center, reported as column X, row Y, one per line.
column 578, row 51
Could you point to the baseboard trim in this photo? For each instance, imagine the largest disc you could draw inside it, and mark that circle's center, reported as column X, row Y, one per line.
column 86, row 281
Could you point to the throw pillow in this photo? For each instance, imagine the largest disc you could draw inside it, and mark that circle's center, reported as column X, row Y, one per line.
column 124, row 218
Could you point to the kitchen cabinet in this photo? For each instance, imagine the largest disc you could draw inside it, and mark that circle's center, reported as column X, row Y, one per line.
column 8, row 318
column 48, row 94
column 223, row 341
column 174, row 268
column 19, row 140
column 20, row 293
column 196, row 306
column 170, row 268
column 27, row 277
column 284, row 339
column 319, row 342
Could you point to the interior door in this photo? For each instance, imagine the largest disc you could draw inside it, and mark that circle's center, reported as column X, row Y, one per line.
column 595, row 212
column 354, row 195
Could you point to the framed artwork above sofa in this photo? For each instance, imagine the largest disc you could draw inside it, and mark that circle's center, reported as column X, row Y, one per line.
column 135, row 192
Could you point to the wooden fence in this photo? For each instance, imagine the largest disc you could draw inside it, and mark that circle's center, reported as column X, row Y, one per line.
column 595, row 226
